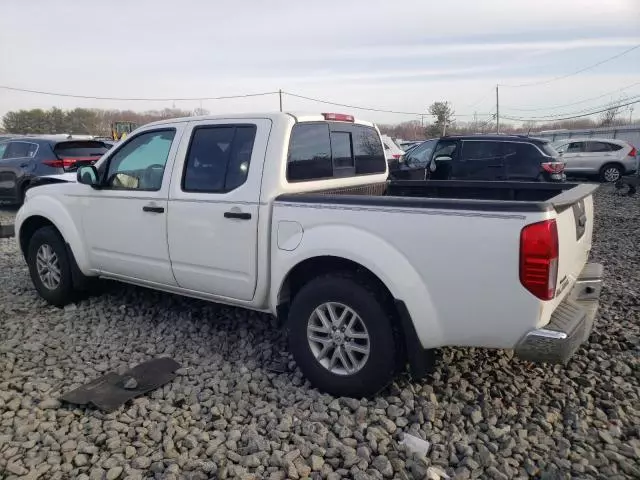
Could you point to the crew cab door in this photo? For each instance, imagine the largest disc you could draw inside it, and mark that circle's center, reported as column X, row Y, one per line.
column 214, row 207
column 125, row 221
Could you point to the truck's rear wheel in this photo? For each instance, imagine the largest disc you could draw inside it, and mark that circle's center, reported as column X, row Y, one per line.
column 341, row 337
column 49, row 267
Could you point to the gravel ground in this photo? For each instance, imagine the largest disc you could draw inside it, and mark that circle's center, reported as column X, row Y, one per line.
column 7, row 213
column 227, row 415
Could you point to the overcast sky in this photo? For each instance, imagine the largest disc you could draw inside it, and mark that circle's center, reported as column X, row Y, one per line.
column 397, row 55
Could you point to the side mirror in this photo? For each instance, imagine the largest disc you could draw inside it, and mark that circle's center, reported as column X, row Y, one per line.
column 88, row 175
column 432, row 166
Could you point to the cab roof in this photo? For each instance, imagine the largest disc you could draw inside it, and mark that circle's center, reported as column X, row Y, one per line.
column 297, row 116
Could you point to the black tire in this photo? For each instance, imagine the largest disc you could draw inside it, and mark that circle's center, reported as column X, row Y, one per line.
column 64, row 293
column 607, row 168
column 347, row 289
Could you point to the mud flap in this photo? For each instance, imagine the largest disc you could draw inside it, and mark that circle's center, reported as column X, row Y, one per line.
column 113, row 390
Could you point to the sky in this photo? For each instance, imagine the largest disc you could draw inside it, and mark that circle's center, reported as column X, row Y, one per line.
column 399, row 55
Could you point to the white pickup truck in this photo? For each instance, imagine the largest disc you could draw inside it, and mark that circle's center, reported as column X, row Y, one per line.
column 293, row 215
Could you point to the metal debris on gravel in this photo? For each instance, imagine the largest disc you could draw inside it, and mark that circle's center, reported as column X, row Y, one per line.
column 227, row 415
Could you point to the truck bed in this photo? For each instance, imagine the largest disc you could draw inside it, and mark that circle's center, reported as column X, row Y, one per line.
column 462, row 195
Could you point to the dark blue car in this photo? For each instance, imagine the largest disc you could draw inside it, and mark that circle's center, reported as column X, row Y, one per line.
column 22, row 159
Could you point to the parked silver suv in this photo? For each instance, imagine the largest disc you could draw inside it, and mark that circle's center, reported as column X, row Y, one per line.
column 606, row 158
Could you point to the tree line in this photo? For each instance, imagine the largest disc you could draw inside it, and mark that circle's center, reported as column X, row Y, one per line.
column 443, row 121
column 91, row 121
column 440, row 118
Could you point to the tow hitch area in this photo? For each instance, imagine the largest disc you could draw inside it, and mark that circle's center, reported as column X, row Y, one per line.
column 112, row 390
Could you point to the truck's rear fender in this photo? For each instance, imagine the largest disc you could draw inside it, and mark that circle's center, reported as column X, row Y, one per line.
column 42, row 210
column 371, row 252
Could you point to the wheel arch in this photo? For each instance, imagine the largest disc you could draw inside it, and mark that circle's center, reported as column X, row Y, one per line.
column 420, row 359
column 42, row 211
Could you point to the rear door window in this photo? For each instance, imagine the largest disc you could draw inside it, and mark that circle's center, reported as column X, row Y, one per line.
column 218, row 158
column 594, row 147
column 475, row 151
column 323, row 150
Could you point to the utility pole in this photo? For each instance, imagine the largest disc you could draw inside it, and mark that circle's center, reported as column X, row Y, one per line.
column 497, row 111
column 630, row 115
column 280, row 94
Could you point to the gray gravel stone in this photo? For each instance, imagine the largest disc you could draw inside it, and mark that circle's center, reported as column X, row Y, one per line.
column 226, row 415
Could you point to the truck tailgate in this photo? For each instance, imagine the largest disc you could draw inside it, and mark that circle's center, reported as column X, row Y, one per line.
column 574, row 220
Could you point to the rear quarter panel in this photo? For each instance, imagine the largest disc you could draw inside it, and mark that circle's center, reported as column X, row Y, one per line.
column 457, row 271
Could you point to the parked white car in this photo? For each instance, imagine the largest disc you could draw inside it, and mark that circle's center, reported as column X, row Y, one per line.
column 606, row 158
column 391, row 150
column 293, row 215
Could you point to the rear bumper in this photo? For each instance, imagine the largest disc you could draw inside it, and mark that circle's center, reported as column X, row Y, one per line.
column 570, row 324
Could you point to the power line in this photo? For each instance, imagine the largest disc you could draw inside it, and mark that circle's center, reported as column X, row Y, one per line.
column 539, row 119
column 370, row 109
column 573, row 103
column 542, row 82
column 606, row 107
column 125, row 99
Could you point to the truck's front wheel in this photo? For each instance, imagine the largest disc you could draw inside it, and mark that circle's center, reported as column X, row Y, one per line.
column 49, row 266
column 341, row 336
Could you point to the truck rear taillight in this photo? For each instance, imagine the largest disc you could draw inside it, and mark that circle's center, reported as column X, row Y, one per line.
column 553, row 167
column 539, row 258
column 338, row 117
column 396, row 156
column 633, row 151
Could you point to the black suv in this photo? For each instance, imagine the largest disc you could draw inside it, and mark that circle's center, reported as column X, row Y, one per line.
column 24, row 158
column 481, row 157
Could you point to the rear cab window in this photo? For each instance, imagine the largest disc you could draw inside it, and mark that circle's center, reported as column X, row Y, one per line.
column 324, row 150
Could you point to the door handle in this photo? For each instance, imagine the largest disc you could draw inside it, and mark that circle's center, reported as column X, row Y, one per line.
column 152, row 209
column 238, row 215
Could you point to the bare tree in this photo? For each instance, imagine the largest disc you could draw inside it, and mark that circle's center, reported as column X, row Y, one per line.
column 609, row 116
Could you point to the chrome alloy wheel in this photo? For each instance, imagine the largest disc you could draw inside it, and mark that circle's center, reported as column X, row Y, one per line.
column 338, row 338
column 48, row 267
